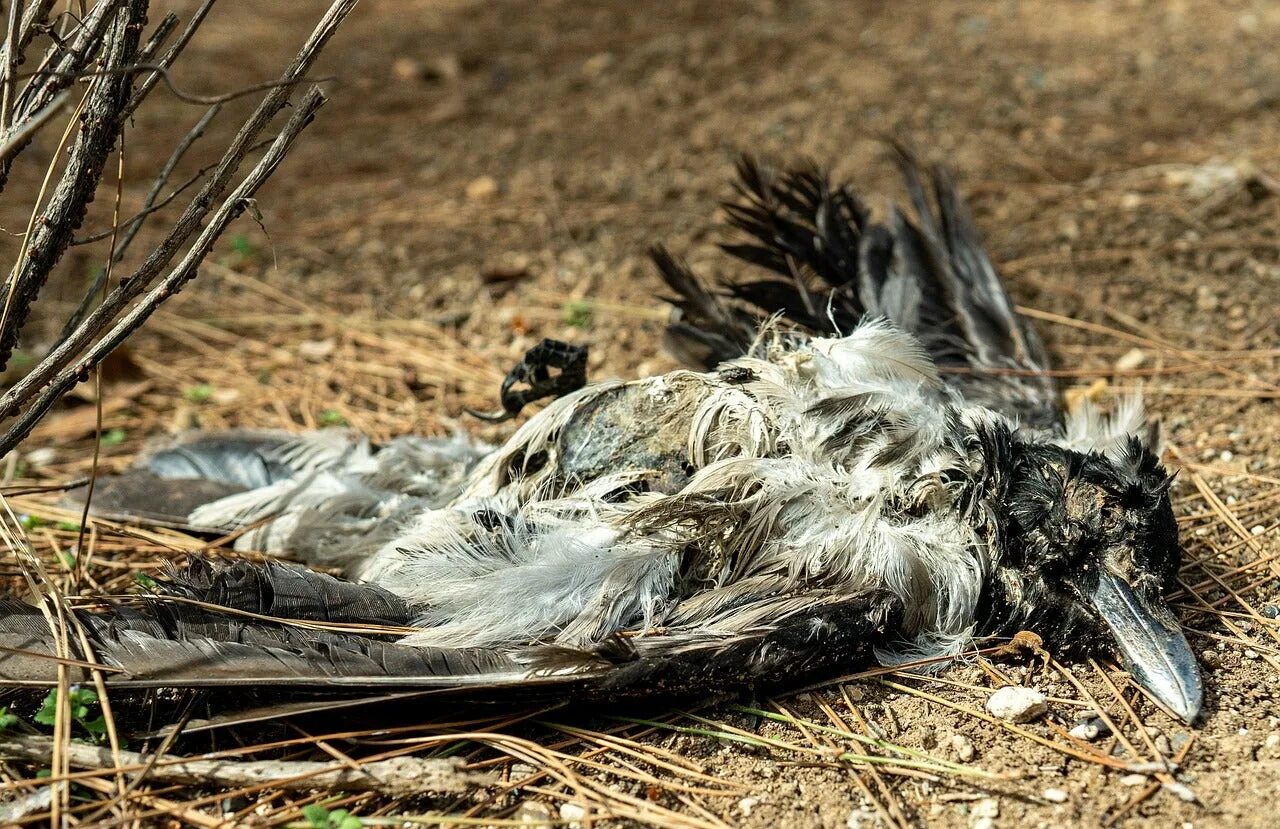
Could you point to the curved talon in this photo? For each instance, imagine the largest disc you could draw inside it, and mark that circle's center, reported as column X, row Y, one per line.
column 534, row 370
column 499, row 416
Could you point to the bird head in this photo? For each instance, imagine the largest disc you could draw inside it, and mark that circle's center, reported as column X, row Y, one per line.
column 1088, row 546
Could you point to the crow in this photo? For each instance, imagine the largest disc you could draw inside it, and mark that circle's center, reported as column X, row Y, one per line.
column 865, row 460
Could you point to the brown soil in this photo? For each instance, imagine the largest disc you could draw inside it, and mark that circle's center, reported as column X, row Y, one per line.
column 488, row 171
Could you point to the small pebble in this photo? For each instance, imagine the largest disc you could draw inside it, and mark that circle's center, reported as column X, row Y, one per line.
column 1055, row 795
column 572, row 813
column 406, row 69
column 1133, row 780
column 746, row 804
column 1163, row 746
column 1270, row 611
column 1090, row 729
column 988, row 807
column 43, row 456
column 862, row 819
column 984, row 823
column 1131, row 359
column 482, row 188
column 1016, row 704
column 532, row 811
column 963, row 748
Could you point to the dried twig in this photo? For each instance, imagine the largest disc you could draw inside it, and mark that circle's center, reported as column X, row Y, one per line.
column 57, row 362
column 100, row 127
column 231, row 208
column 397, row 776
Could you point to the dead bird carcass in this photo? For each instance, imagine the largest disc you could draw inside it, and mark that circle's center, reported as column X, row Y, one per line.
column 882, row 470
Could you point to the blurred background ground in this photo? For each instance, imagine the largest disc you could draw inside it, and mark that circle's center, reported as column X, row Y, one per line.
column 489, row 174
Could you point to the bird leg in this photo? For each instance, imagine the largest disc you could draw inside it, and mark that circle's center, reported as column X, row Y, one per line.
column 534, row 371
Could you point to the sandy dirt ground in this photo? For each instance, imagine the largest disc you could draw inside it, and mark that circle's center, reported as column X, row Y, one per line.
column 487, row 174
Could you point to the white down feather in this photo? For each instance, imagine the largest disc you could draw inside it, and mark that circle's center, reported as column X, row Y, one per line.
column 510, row 557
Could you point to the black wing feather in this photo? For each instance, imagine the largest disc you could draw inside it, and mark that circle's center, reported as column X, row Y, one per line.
column 931, row 277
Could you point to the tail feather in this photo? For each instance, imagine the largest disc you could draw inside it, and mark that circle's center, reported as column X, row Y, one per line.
column 707, row 331
column 930, row 277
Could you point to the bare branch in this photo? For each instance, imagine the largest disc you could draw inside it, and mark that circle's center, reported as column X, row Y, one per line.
column 99, row 128
column 184, row 229
column 10, row 58
column 135, row 224
column 61, row 61
column 148, row 83
column 182, row 273
column 32, row 125
column 158, row 36
column 35, row 15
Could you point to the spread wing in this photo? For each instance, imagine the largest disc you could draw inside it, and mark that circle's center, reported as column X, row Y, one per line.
column 231, row 625
column 341, row 495
column 831, row 264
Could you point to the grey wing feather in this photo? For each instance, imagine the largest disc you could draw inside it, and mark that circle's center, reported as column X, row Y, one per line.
column 748, row 638
column 171, row 481
column 330, row 497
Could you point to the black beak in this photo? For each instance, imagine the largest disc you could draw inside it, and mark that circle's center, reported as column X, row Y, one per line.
column 1151, row 645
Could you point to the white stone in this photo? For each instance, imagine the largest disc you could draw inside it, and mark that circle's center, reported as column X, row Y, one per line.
column 862, row 819
column 746, row 804
column 572, row 813
column 1131, row 359
column 1133, row 780
column 989, row 807
column 1014, row 703
column 1055, row 795
column 963, row 748
column 43, row 456
column 1086, row 731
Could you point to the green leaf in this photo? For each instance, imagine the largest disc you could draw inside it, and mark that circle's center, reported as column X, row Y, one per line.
column 48, row 713
column 316, row 815
column 332, row 417
column 7, row 719
column 200, row 393
column 114, row 437
column 144, row 580
column 242, row 245
column 97, row 726
column 69, row 527
column 578, row 313
column 31, row 522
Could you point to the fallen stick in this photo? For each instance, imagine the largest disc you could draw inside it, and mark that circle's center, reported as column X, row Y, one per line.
column 397, row 776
